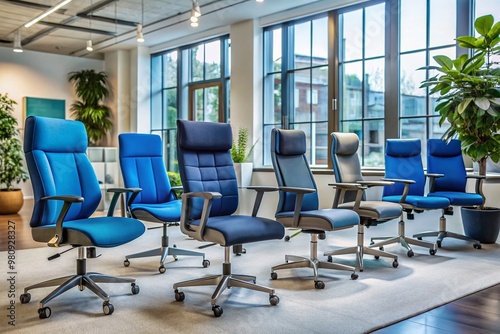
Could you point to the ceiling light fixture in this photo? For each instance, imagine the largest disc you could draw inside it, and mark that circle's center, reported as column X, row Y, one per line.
column 46, row 13
column 140, row 36
column 17, row 42
column 259, row 0
column 195, row 13
column 89, row 45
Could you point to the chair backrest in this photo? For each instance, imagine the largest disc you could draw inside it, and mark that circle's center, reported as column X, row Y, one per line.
column 446, row 158
column 142, row 166
column 205, row 164
column 55, row 151
column 345, row 161
column 288, row 154
column 403, row 161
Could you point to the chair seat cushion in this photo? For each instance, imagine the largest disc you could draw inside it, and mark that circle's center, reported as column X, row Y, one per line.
column 421, row 202
column 234, row 230
column 98, row 231
column 375, row 209
column 459, row 198
column 324, row 220
column 165, row 212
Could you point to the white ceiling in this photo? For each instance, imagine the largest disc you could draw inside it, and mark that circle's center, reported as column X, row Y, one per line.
column 113, row 21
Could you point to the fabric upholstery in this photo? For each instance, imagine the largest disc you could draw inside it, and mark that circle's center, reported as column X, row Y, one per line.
column 292, row 170
column 446, row 159
column 205, row 165
column 142, row 166
column 58, row 166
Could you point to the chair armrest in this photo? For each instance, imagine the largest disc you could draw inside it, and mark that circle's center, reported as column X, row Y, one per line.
column 370, row 184
column 436, row 175
column 479, row 184
column 258, row 198
column 432, row 177
column 342, row 188
column 177, row 188
column 116, row 194
column 406, row 188
column 208, row 198
column 300, row 192
column 68, row 200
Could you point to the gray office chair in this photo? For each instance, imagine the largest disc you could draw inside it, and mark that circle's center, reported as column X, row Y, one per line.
column 349, row 195
column 298, row 205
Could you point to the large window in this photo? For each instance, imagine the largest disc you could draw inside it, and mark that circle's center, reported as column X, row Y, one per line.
column 190, row 82
column 374, row 90
column 296, row 84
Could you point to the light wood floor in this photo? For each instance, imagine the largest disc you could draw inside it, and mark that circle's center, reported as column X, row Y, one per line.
column 476, row 313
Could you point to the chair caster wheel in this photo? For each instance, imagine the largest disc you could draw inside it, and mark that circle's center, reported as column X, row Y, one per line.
column 217, row 310
column 274, row 276
column 162, row 269
column 381, row 248
column 135, row 289
column 354, row 276
column 330, row 258
column 287, row 238
column 477, row 246
column 274, row 300
column 432, row 251
column 376, row 257
column 419, row 238
column 438, row 244
column 107, row 308
column 410, row 253
column 206, row 263
column 319, row 285
column 179, row 296
column 395, row 263
column 44, row 312
column 25, row 298
column 126, row 263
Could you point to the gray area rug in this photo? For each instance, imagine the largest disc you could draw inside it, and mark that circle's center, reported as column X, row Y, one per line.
column 380, row 296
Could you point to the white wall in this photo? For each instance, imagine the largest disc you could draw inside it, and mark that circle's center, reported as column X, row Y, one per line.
column 43, row 75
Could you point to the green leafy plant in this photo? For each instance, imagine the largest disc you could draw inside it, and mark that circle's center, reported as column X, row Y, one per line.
column 175, row 181
column 239, row 149
column 91, row 87
column 469, row 93
column 11, row 153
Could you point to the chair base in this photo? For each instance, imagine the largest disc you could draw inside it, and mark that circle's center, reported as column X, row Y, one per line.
column 165, row 251
column 360, row 250
column 225, row 281
column 83, row 280
column 404, row 241
column 311, row 262
column 442, row 233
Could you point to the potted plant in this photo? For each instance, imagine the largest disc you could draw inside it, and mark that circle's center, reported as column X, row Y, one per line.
column 240, row 154
column 11, row 159
column 469, row 100
column 92, row 87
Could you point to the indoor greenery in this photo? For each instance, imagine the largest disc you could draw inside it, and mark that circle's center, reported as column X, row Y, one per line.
column 239, row 149
column 469, row 93
column 11, row 153
column 91, row 87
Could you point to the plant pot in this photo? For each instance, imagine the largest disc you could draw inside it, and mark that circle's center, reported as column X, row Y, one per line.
column 244, row 172
column 11, row 201
column 481, row 225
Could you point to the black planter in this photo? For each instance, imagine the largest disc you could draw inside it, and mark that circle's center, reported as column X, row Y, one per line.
column 481, row 225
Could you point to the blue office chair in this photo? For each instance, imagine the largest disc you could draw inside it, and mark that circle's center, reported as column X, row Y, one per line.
column 350, row 194
column 66, row 193
column 448, row 178
column 298, row 205
column 209, row 201
column 403, row 165
column 142, row 166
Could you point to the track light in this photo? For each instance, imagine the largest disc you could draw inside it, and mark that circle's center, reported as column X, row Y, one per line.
column 194, row 24
column 17, row 42
column 196, row 10
column 140, row 36
column 46, row 13
column 89, row 45
column 259, row 0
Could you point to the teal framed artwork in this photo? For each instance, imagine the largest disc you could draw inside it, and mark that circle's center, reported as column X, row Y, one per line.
column 35, row 106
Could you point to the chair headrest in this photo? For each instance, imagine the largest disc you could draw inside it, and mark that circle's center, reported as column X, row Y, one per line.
column 403, row 147
column 210, row 136
column 290, row 142
column 44, row 133
column 439, row 148
column 346, row 143
column 133, row 145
